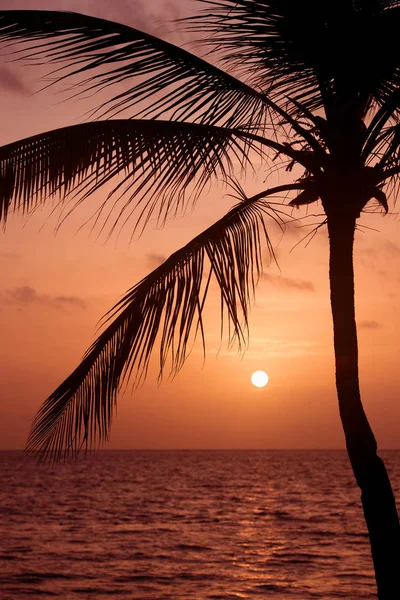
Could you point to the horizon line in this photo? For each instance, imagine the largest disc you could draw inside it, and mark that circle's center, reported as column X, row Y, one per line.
column 97, row 450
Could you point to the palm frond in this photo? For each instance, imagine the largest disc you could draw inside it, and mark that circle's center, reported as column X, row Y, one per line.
column 165, row 307
column 378, row 131
column 158, row 161
column 183, row 86
column 386, row 151
column 316, row 52
column 387, row 166
column 164, row 165
column 100, row 54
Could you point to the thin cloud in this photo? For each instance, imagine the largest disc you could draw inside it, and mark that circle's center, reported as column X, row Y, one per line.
column 391, row 248
column 146, row 16
column 370, row 251
column 373, row 266
column 26, row 295
column 372, row 256
column 369, row 325
column 12, row 82
column 282, row 348
column 154, row 260
column 387, row 246
column 269, row 348
column 69, row 300
column 289, row 282
column 8, row 255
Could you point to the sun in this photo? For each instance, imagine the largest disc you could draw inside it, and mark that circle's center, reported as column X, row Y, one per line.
column 259, row 379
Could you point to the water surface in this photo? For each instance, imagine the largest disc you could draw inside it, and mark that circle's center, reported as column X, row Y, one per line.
column 185, row 525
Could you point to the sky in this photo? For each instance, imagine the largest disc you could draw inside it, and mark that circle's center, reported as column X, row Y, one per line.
column 55, row 287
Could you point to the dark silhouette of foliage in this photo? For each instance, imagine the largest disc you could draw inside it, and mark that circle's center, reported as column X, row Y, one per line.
column 310, row 83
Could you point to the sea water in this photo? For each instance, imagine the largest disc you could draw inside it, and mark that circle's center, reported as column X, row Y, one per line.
column 185, row 525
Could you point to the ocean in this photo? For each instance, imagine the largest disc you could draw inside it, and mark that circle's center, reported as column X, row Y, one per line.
column 180, row 525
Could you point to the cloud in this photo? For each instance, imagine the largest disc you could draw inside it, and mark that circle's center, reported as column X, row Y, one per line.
column 391, row 248
column 372, row 266
column 289, row 282
column 155, row 260
column 8, row 255
column 260, row 347
column 158, row 20
column 387, row 246
column 27, row 296
column 69, row 300
column 368, row 251
column 11, row 82
column 369, row 325
column 294, row 230
column 154, row 18
column 374, row 257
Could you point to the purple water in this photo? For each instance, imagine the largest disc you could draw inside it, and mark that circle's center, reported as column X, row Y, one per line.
column 185, row 525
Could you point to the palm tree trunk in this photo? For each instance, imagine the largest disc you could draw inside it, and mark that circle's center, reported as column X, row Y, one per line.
column 376, row 493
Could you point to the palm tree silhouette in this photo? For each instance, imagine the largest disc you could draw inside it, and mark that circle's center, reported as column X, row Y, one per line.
column 322, row 92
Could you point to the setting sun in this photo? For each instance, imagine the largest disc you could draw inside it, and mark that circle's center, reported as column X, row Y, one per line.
column 259, row 379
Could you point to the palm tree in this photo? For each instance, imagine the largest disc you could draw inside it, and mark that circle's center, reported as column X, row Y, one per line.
column 313, row 83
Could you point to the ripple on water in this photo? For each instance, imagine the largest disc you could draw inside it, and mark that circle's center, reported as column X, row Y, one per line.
column 185, row 526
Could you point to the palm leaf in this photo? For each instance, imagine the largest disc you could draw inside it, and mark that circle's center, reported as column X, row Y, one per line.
column 183, row 85
column 386, row 157
column 385, row 153
column 166, row 306
column 101, row 53
column 315, row 52
column 378, row 132
column 158, row 161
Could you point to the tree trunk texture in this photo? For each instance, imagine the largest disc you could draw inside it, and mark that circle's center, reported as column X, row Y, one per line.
column 376, row 493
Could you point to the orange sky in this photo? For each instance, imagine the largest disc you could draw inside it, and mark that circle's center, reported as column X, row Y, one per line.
column 54, row 289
